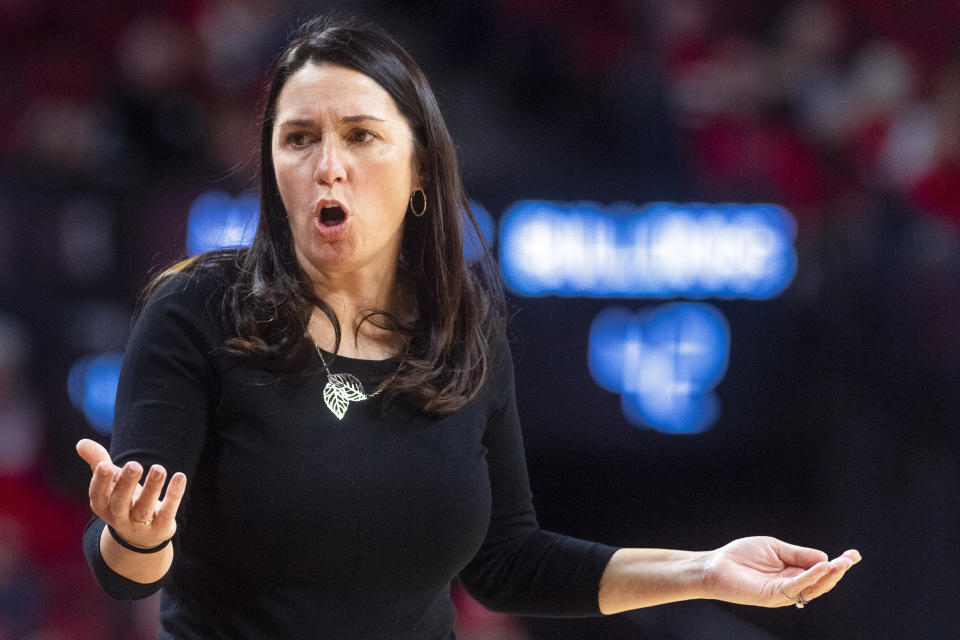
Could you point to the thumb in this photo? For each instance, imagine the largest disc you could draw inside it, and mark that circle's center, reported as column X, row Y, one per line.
column 796, row 556
column 93, row 453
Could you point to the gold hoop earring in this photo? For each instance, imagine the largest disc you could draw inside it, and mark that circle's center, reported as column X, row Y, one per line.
column 413, row 207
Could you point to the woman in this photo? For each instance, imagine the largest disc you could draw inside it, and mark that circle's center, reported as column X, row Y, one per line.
column 339, row 480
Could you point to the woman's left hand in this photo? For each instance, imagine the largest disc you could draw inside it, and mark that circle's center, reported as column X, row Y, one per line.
column 767, row 572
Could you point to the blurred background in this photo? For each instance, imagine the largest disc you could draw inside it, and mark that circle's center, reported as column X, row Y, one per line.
column 829, row 414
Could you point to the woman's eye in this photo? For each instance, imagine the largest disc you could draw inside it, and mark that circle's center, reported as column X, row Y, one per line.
column 362, row 135
column 298, row 139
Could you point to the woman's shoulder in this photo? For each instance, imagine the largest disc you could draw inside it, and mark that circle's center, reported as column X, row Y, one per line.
column 200, row 284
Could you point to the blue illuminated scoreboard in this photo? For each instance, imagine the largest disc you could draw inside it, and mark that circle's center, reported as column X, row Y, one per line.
column 663, row 362
column 660, row 250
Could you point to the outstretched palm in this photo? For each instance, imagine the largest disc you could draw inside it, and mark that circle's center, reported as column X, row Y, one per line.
column 135, row 511
column 767, row 572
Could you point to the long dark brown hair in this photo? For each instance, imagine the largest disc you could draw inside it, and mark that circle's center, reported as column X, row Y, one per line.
column 453, row 309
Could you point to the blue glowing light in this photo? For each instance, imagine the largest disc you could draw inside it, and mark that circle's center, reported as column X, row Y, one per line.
column 220, row 221
column 658, row 250
column 92, row 387
column 664, row 363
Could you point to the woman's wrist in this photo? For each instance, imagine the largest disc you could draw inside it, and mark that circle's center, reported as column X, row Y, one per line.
column 145, row 568
column 136, row 548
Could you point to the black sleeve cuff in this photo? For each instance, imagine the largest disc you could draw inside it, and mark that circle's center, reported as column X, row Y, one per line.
column 113, row 584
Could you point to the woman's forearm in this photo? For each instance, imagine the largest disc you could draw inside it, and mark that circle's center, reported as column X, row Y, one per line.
column 758, row 570
column 636, row 578
column 144, row 568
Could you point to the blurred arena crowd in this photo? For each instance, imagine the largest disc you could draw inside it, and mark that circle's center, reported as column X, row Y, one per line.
column 115, row 115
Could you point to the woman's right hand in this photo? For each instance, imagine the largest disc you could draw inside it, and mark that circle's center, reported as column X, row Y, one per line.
column 135, row 511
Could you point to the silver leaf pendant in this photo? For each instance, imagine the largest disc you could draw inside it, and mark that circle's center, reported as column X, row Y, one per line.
column 342, row 389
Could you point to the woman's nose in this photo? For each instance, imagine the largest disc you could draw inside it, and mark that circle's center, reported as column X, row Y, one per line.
column 330, row 167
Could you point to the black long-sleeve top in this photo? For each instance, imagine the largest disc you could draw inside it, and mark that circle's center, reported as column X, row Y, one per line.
column 300, row 525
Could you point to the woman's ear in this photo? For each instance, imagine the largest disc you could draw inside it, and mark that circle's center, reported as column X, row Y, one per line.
column 418, row 184
column 420, row 178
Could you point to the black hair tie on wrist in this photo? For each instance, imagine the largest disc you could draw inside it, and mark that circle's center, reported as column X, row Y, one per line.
column 126, row 545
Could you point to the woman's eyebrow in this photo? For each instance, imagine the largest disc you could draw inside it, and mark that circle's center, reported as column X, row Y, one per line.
column 361, row 118
column 300, row 122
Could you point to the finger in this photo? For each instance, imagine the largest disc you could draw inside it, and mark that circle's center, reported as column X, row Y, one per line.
column 101, row 488
column 853, row 554
column 795, row 556
column 122, row 496
column 167, row 512
column 838, row 567
column 824, row 585
column 92, row 452
column 805, row 581
column 145, row 500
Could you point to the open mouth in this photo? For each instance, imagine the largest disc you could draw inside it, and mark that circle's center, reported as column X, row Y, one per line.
column 332, row 215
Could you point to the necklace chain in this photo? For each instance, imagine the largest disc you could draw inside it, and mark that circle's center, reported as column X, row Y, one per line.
column 342, row 389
